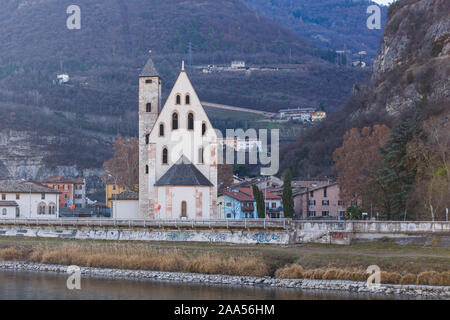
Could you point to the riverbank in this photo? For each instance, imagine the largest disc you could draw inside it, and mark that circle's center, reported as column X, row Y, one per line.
column 303, row 284
column 399, row 264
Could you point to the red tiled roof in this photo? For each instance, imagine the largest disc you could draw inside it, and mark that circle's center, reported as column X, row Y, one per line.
column 59, row 179
column 239, row 196
column 267, row 194
column 246, row 190
column 271, row 196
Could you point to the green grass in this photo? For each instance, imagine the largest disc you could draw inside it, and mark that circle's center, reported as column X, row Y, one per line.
column 223, row 114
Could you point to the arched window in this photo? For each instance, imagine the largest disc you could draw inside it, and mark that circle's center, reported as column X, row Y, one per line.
column 41, row 208
column 161, row 130
column 203, row 128
column 147, row 139
column 174, row 121
column 190, row 124
column 183, row 209
column 200, row 155
column 165, row 156
column 52, row 208
column 188, row 99
column 146, row 169
column 178, row 100
column 149, row 107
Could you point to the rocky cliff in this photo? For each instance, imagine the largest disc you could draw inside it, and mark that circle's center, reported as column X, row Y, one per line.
column 412, row 70
column 25, row 155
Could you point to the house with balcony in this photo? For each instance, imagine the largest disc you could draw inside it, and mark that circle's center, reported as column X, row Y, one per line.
column 235, row 204
column 273, row 202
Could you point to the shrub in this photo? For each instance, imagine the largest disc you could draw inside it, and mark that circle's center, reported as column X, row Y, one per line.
column 430, row 278
column 408, row 278
column 436, row 48
column 444, row 278
column 294, row 271
column 331, row 274
column 13, row 254
column 390, row 277
column 410, row 77
column 317, row 274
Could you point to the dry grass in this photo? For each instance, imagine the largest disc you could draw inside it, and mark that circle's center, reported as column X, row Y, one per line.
column 296, row 271
column 408, row 278
column 430, row 278
column 139, row 258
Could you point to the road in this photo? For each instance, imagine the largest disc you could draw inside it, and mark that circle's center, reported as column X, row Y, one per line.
column 232, row 108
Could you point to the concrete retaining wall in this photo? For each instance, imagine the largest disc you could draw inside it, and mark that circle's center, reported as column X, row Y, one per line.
column 345, row 232
column 240, row 232
column 141, row 234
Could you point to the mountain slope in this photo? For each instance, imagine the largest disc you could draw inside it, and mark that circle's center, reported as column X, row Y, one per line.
column 411, row 76
column 328, row 23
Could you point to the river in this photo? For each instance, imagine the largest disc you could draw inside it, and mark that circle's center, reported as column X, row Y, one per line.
column 19, row 285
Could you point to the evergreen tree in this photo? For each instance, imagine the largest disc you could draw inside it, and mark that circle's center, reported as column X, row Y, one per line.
column 288, row 200
column 399, row 171
column 259, row 198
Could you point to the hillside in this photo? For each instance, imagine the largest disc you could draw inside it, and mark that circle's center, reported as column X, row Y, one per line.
column 73, row 124
column 328, row 23
column 410, row 77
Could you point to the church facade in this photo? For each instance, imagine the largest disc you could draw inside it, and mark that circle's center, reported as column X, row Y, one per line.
column 177, row 151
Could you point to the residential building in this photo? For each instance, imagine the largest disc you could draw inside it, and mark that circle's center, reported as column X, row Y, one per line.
column 261, row 182
column 111, row 189
column 300, row 114
column 318, row 116
column 237, row 64
column 235, row 204
column 28, row 200
column 72, row 190
column 322, row 201
column 247, row 144
column 273, row 202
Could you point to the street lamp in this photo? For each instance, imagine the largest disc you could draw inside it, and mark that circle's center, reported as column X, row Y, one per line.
column 115, row 193
column 23, row 180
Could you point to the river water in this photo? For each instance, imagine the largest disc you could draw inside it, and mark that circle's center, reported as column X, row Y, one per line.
column 48, row 286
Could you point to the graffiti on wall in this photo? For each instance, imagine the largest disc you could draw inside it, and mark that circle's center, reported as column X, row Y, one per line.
column 218, row 236
column 264, row 237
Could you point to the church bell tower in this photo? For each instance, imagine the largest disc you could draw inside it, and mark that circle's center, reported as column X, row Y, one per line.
column 149, row 107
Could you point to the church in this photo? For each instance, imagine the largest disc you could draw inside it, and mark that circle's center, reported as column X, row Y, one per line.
column 178, row 157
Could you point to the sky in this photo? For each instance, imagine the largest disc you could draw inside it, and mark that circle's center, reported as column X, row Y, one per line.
column 383, row 2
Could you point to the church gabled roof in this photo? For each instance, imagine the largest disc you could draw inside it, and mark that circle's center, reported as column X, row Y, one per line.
column 183, row 173
column 149, row 69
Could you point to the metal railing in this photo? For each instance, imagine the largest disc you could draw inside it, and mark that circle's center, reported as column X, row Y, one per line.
column 235, row 223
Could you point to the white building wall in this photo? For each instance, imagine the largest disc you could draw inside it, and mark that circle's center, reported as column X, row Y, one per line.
column 182, row 142
column 170, row 199
column 125, row 209
column 7, row 212
column 35, row 200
